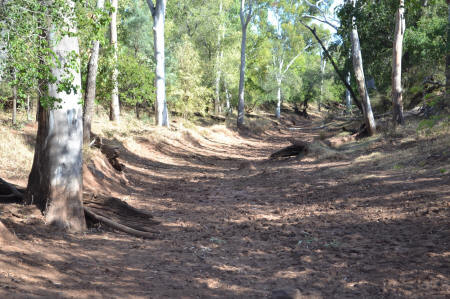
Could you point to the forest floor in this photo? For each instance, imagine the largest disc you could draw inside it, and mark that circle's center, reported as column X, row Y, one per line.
column 368, row 219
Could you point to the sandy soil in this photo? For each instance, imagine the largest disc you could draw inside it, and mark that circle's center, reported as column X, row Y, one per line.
column 354, row 223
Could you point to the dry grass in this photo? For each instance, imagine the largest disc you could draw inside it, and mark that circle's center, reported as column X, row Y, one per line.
column 16, row 151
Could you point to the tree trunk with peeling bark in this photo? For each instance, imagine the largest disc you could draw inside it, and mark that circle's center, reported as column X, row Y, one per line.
column 114, row 114
column 55, row 182
column 397, row 95
column 89, row 98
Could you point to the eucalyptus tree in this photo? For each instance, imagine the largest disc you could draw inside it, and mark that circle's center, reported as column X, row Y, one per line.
column 55, row 182
column 158, row 11
column 114, row 112
column 447, row 65
column 321, row 9
column 360, row 78
column 397, row 53
column 288, row 45
column 91, row 84
column 245, row 14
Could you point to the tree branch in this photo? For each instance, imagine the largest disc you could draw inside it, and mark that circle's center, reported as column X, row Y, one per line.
column 151, row 6
column 349, row 88
column 322, row 13
column 321, row 20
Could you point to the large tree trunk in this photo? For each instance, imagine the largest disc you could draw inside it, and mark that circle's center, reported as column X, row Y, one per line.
column 55, row 182
column 359, row 75
column 397, row 96
column 91, row 86
column 114, row 113
column 244, row 23
column 158, row 11
column 447, row 68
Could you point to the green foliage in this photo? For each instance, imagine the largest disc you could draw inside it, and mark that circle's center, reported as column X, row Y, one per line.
column 188, row 95
column 136, row 80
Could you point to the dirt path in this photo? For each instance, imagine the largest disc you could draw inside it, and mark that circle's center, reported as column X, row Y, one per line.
column 237, row 225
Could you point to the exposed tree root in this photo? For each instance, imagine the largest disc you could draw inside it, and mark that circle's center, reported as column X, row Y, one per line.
column 14, row 191
column 118, row 226
column 17, row 196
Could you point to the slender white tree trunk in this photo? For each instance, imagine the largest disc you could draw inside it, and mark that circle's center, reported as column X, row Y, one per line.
column 218, row 63
column 91, row 86
column 359, row 75
column 115, row 108
column 397, row 51
column 14, row 108
column 348, row 98
column 244, row 24
column 228, row 99
column 323, row 63
column 241, row 104
column 158, row 11
column 278, row 109
column 55, row 183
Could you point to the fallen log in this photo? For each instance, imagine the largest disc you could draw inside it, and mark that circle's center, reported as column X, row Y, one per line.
column 298, row 148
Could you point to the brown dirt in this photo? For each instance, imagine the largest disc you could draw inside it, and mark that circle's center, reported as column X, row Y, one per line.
column 238, row 225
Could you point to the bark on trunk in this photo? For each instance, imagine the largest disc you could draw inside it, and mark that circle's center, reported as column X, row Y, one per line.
column 55, row 182
column 244, row 23
column 359, row 75
column 397, row 95
column 91, row 86
column 158, row 11
column 14, row 108
column 218, row 64
column 228, row 99
column 241, row 105
column 322, row 71
column 447, row 68
column 29, row 104
column 278, row 110
column 114, row 114
column 348, row 98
